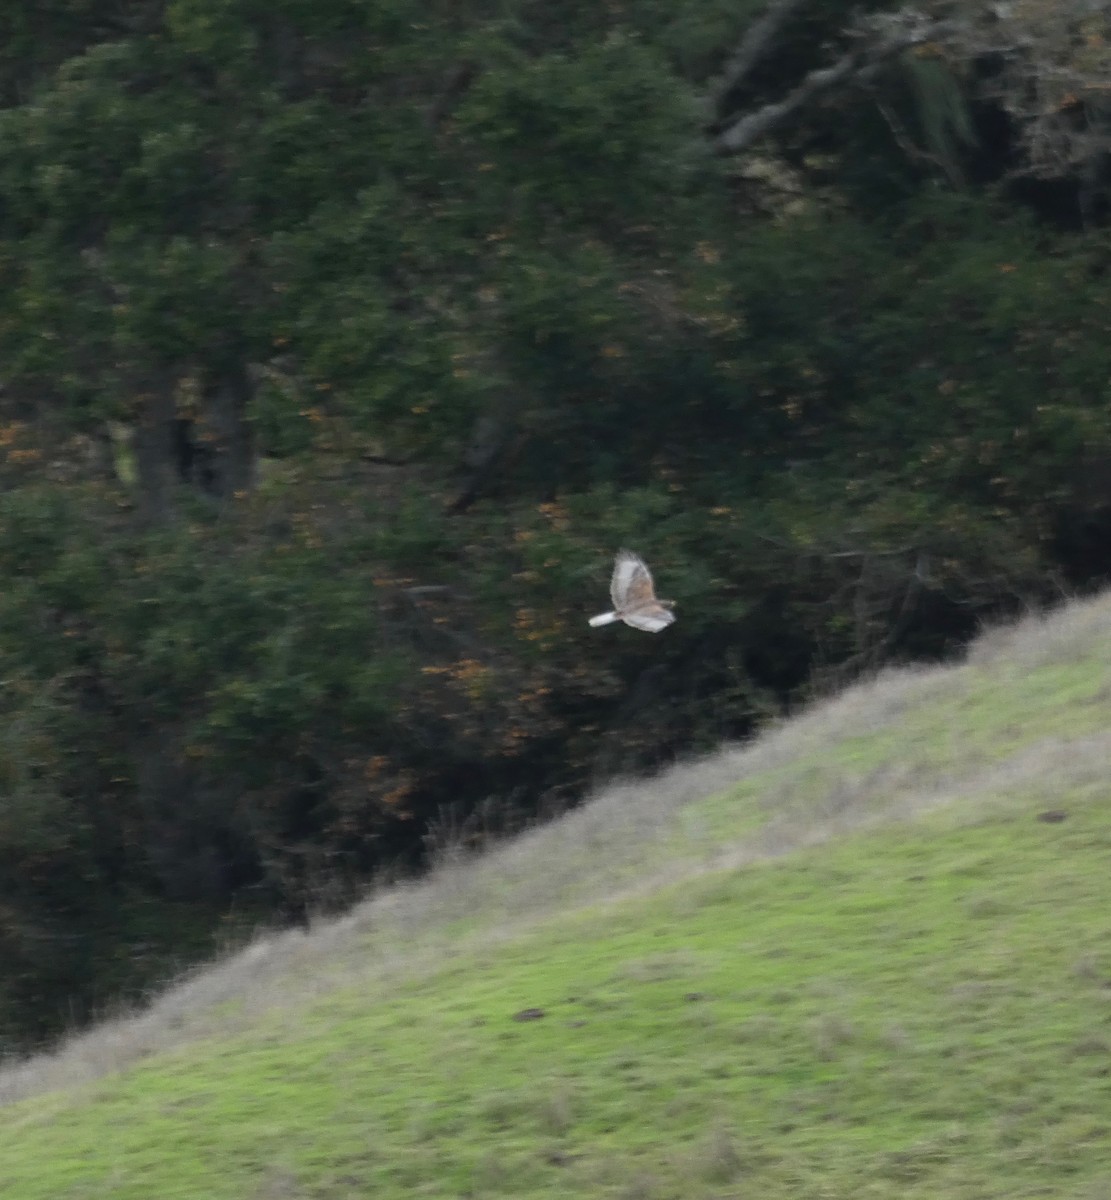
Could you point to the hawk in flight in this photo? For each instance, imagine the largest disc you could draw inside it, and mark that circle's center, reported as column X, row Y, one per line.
column 634, row 597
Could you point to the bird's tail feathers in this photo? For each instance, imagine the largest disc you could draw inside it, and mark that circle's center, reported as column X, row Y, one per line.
column 604, row 619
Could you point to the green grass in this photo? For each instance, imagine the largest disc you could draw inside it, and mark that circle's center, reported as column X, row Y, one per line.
column 866, row 970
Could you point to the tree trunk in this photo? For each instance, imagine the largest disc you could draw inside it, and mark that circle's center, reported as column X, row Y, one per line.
column 211, row 451
column 227, row 399
column 154, row 446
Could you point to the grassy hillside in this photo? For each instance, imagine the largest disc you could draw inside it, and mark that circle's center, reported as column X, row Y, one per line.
column 869, row 956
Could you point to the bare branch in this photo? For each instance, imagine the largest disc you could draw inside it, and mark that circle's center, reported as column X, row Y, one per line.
column 753, row 47
column 430, row 589
column 915, row 153
column 855, row 65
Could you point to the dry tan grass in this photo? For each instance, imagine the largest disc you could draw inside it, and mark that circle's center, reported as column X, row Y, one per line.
column 629, row 839
column 1060, row 634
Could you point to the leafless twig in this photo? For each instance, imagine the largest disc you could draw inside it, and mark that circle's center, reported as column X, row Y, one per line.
column 857, row 64
column 753, row 47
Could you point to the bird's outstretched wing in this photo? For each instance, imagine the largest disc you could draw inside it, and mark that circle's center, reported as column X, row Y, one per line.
column 651, row 617
column 631, row 586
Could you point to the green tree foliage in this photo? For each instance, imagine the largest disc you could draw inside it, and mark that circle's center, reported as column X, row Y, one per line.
column 341, row 345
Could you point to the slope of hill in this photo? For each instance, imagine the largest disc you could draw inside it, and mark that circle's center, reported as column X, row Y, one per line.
column 866, row 956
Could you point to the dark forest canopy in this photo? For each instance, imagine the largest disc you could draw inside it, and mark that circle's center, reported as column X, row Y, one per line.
column 342, row 343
